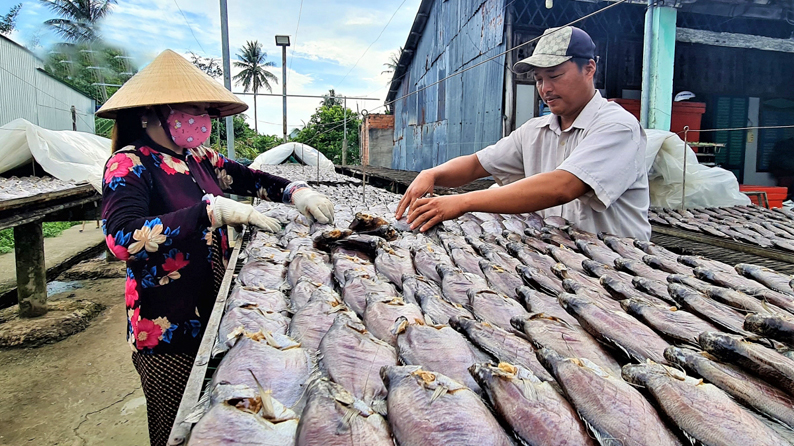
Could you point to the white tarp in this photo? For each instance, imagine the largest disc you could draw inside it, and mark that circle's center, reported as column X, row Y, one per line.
column 66, row 155
column 705, row 186
column 302, row 152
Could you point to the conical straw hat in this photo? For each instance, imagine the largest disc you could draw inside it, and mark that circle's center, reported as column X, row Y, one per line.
column 171, row 79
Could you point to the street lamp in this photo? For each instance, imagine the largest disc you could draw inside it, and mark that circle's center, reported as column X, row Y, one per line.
column 283, row 42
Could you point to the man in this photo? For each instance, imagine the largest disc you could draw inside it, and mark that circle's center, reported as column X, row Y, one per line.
column 584, row 162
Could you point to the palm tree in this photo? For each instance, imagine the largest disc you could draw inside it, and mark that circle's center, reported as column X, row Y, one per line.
column 394, row 59
column 78, row 18
column 254, row 74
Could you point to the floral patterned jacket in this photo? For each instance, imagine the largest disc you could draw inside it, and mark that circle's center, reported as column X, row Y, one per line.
column 156, row 220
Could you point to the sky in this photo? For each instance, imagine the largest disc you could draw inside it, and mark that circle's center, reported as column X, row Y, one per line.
column 335, row 44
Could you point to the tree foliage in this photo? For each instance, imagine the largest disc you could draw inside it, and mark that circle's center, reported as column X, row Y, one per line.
column 207, row 65
column 78, row 21
column 72, row 63
column 9, row 21
column 247, row 144
column 254, row 74
column 325, row 132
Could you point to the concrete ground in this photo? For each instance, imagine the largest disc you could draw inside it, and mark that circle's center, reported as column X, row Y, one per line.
column 82, row 390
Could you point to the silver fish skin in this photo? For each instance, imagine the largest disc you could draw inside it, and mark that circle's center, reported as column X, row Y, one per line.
column 432, row 303
column 360, row 285
column 571, row 259
column 621, row 289
column 494, row 308
column 263, row 274
column 393, row 262
column 533, row 243
column 352, row 357
column 310, row 323
column 691, row 282
column 666, row 265
column 226, row 424
column 464, row 257
column 598, row 270
column 763, row 362
column 710, row 310
column 767, row 277
column 537, row 413
column 702, row 411
column 626, row 249
column 502, row 345
column 563, row 272
column 266, row 300
column 639, row 268
column 437, row 347
column 455, row 283
column 744, row 387
column 500, row 279
column 616, row 328
column 653, row 288
column 570, row 340
column 597, row 295
column 383, row 312
column 656, row 250
column 615, row 412
column 301, row 293
column 240, row 320
column 740, row 301
column 531, row 258
column 746, row 286
column 540, row 281
column 537, row 302
column 675, row 324
column 702, row 262
column 344, row 263
column 309, row 264
column 428, row 408
column 578, row 234
column 599, row 253
column 778, row 327
column 335, row 417
column 426, row 257
column 282, row 369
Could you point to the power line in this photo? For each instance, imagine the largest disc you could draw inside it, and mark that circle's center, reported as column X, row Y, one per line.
column 376, row 39
column 189, row 27
column 292, row 53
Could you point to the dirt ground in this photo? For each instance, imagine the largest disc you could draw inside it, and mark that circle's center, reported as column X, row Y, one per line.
column 79, row 391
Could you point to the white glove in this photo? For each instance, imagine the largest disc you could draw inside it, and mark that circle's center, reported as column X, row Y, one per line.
column 230, row 212
column 314, row 205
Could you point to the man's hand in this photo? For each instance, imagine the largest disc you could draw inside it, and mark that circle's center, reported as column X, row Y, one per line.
column 428, row 212
column 421, row 185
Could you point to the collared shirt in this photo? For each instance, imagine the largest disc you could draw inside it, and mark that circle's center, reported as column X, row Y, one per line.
column 604, row 148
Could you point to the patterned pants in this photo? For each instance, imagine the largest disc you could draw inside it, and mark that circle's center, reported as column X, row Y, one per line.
column 163, row 378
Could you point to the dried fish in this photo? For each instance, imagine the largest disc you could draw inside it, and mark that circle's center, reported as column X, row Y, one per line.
column 312, row 321
column 779, row 327
column 767, row 277
column 455, row 283
column 675, row 324
column 500, row 279
column 383, row 311
column 393, row 263
column 428, row 408
column 712, row 311
column 492, row 307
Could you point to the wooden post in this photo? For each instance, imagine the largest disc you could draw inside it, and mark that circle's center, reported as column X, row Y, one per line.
column 31, row 271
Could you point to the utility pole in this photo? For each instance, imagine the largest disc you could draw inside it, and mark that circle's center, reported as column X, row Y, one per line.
column 283, row 42
column 74, row 118
column 227, row 77
column 344, row 138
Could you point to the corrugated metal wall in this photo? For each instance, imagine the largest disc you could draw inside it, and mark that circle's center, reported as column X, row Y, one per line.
column 26, row 92
column 464, row 113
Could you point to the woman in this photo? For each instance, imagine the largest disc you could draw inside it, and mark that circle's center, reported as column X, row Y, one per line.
column 165, row 214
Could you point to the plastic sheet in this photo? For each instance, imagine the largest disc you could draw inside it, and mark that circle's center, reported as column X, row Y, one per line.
column 66, row 155
column 302, row 152
column 705, row 186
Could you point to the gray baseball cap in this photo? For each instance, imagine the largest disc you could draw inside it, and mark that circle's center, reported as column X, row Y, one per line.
column 558, row 45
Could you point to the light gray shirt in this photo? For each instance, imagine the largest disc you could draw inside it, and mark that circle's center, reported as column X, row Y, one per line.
column 604, row 148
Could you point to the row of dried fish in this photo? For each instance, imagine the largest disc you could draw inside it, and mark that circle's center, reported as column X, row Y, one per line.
column 15, row 187
column 300, row 172
column 749, row 224
column 372, row 335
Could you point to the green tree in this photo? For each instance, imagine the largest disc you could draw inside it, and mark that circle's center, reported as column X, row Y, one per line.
column 84, row 65
column 325, row 132
column 247, row 144
column 9, row 21
column 78, row 18
column 254, row 74
column 207, row 65
column 330, row 99
column 391, row 65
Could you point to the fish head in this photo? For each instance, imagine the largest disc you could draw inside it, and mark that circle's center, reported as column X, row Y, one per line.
column 683, row 356
column 486, row 265
column 721, row 345
column 571, row 286
column 745, row 268
column 571, row 302
column 443, row 269
column 526, row 294
column 518, row 322
column 631, row 306
column 704, row 274
column 594, row 268
column 461, row 323
column 549, row 358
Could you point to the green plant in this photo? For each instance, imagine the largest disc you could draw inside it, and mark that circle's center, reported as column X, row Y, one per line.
column 325, row 132
column 254, row 74
column 50, row 229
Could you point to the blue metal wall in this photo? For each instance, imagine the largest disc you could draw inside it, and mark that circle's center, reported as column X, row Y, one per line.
column 464, row 113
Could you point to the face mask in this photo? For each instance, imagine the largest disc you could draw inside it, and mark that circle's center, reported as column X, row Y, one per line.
column 189, row 131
